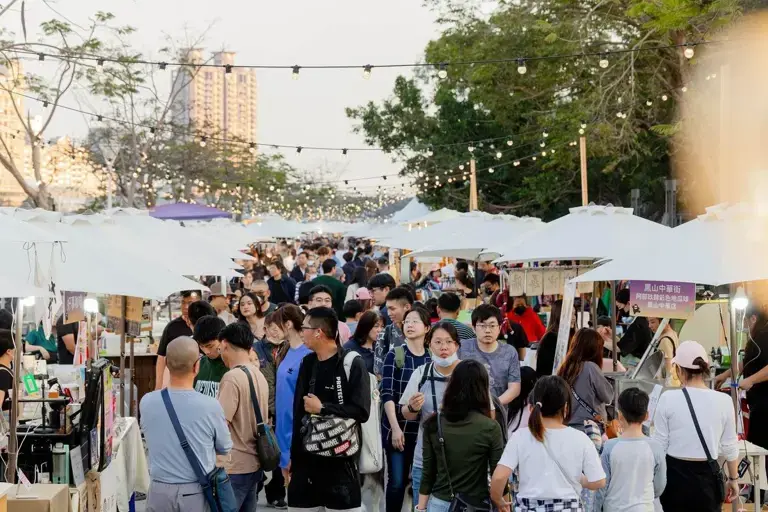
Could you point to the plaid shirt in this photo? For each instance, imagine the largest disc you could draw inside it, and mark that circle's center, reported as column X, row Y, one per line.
column 393, row 385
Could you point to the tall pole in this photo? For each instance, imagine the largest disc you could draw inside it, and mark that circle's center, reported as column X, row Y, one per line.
column 583, row 157
column 109, row 184
column 122, row 357
column 725, row 131
column 13, row 441
column 472, row 186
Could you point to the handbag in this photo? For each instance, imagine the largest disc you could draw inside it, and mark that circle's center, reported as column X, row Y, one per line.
column 717, row 471
column 328, row 435
column 217, row 488
column 266, row 443
column 459, row 503
column 612, row 428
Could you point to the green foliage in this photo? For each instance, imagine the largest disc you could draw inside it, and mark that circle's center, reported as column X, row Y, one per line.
column 628, row 125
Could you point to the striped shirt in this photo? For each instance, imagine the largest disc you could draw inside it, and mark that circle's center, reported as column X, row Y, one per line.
column 465, row 331
column 393, row 384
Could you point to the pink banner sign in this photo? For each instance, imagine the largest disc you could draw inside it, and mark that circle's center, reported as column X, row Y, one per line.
column 662, row 299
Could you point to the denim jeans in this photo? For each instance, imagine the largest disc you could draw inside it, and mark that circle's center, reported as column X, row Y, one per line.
column 415, row 484
column 398, row 467
column 246, row 491
column 437, row 505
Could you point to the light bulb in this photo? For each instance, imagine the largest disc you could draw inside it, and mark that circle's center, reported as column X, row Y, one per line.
column 664, row 98
column 442, row 71
column 521, row 68
column 498, row 155
column 367, row 71
column 604, row 61
column 545, row 134
column 295, row 74
column 533, row 158
column 471, row 149
column 740, row 301
column 430, row 152
column 684, row 89
column 461, row 167
column 516, row 163
column 490, row 171
column 583, row 125
column 509, row 143
column 688, row 52
column 649, row 103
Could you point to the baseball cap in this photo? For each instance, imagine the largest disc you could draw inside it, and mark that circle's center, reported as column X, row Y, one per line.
column 216, row 290
column 363, row 294
column 687, row 353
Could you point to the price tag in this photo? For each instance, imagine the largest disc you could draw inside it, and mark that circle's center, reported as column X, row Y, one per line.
column 30, row 384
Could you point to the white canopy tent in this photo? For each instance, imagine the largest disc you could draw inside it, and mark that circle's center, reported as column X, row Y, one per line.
column 724, row 245
column 586, row 233
column 473, row 236
column 430, row 218
column 276, row 227
column 412, row 210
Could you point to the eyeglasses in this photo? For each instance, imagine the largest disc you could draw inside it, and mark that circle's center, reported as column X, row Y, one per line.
column 486, row 327
column 307, row 328
column 441, row 343
column 412, row 322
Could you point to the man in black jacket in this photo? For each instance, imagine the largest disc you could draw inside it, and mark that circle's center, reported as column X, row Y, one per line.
column 318, row 482
column 637, row 335
column 299, row 271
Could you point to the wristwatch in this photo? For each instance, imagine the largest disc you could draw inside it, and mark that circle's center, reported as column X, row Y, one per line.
column 414, row 411
column 733, row 479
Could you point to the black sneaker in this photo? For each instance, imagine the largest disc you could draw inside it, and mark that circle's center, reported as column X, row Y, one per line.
column 278, row 504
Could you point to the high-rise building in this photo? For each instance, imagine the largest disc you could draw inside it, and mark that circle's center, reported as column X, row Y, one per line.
column 216, row 101
column 12, row 130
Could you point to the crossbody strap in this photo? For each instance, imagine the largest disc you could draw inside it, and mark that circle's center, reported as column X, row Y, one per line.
column 562, row 470
column 254, row 400
column 585, row 405
column 201, row 478
column 696, row 424
column 441, row 440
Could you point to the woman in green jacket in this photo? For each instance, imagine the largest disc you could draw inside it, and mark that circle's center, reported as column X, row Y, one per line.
column 457, row 468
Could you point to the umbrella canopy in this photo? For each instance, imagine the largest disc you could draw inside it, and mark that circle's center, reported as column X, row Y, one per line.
column 413, row 209
column 586, row 233
column 725, row 245
column 474, row 236
column 188, row 211
column 14, row 230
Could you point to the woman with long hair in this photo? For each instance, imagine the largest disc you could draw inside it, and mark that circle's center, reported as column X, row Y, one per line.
column 555, row 461
column 371, row 269
column 288, row 318
column 399, row 433
column 545, row 353
column 691, row 484
column 359, row 280
column 452, row 466
column 364, row 338
column 251, row 313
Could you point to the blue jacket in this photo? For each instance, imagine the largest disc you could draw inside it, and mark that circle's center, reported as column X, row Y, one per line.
column 288, row 286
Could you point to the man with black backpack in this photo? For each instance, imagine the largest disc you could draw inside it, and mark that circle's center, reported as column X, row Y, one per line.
column 332, row 401
column 242, row 379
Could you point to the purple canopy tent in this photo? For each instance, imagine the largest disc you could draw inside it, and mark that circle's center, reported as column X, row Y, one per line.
column 188, row 211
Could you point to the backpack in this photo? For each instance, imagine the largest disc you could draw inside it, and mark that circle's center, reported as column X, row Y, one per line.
column 400, row 358
column 372, row 452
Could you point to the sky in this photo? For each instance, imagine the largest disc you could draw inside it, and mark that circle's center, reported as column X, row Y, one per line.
column 308, row 111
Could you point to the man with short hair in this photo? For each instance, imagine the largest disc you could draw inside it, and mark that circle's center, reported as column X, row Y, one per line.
column 383, row 265
column 399, row 302
column 380, row 285
column 302, row 291
column 299, row 271
column 448, row 307
column 243, row 468
column 260, row 288
column 221, row 294
column 7, row 348
column 332, row 282
column 323, row 253
column 174, row 486
column 320, row 483
column 492, row 286
column 282, row 288
column 348, row 267
column 320, row 297
column 499, row 359
column 180, row 326
column 353, row 310
column 212, row 368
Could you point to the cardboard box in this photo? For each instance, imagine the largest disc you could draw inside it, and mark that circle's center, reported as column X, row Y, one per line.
column 39, row 498
column 78, row 498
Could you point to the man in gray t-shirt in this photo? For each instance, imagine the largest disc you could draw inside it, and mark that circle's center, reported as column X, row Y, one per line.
column 502, row 364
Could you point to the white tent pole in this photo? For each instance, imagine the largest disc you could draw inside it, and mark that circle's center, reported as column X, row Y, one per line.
column 13, row 442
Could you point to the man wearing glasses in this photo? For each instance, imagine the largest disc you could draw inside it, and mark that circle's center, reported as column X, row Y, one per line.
column 499, row 359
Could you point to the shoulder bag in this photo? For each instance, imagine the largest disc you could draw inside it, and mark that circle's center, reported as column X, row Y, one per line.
column 459, row 503
column 717, row 471
column 328, row 435
column 217, row 488
column 611, row 428
column 576, row 488
column 266, row 443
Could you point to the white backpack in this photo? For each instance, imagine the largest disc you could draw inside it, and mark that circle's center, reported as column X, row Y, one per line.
column 372, row 452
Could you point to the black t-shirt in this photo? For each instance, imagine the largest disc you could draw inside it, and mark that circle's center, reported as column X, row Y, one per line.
column 755, row 359
column 175, row 328
column 6, row 384
column 356, row 394
column 62, row 329
column 516, row 336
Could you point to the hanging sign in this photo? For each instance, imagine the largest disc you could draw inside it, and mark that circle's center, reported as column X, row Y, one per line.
column 662, row 299
column 133, row 312
column 74, row 310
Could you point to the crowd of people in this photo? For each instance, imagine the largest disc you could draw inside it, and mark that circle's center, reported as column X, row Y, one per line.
column 350, row 370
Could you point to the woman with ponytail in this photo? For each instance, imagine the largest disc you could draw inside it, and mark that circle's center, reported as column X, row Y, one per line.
column 692, row 483
column 555, row 461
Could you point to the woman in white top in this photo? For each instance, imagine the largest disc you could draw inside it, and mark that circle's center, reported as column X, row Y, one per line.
column 691, row 483
column 555, row 461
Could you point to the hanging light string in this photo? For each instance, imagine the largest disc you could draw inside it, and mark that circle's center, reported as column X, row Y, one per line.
column 367, row 69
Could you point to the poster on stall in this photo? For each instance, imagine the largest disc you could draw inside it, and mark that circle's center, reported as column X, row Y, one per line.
column 134, row 309
column 74, row 310
column 662, row 299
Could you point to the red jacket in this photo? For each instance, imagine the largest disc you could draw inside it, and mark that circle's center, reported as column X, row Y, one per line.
column 532, row 324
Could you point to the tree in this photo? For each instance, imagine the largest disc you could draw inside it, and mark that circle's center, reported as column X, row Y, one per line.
column 69, row 46
column 626, row 102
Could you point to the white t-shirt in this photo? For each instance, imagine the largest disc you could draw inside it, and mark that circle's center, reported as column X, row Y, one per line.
column 676, row 433
column 540, row 477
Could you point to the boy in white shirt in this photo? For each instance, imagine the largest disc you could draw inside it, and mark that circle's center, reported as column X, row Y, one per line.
column 635, row 465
